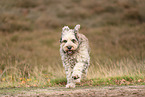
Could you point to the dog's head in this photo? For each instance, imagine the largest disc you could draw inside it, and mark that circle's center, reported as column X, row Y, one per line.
column 69, row 39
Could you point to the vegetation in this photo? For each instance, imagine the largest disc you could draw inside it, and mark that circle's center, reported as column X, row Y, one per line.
column 30, row 32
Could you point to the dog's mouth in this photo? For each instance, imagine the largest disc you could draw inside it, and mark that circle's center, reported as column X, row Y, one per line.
column 69, row 52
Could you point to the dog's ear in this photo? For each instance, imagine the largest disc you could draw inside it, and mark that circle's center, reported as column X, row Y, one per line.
column 77, row 27
column 65, row 28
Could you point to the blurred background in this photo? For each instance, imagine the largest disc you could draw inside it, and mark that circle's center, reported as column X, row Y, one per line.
column 30, row 31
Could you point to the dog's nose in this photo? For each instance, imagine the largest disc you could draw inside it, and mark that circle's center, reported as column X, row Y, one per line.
column 69, row 47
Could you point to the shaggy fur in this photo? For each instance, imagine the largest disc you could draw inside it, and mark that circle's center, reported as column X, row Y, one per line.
column 74, row 51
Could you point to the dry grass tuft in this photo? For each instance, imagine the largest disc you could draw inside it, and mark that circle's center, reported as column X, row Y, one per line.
column 108, row 68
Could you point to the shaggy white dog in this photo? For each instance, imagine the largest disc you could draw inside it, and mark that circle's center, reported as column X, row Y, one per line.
column 74, row 51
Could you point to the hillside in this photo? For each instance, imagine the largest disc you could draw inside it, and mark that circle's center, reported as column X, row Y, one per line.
column 30, row 31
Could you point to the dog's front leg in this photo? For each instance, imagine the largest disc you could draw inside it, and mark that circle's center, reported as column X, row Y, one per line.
column 70, row 83
column 77, row 72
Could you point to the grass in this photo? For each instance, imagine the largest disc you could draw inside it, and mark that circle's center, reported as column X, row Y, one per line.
column 30, row 33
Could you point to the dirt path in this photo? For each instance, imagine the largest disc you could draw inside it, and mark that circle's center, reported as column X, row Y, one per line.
column 116, row 91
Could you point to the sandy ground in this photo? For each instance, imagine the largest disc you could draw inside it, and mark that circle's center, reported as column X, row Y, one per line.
column 113, row 91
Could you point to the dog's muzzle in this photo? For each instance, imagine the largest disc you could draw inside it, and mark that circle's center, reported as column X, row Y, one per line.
column 70, row 51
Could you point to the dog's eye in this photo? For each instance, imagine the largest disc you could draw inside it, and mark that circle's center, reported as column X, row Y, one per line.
column 73, row 40
column 64, row 41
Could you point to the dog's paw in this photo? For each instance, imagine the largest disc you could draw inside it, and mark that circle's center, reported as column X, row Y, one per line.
column 76, row 76
column 70, row 85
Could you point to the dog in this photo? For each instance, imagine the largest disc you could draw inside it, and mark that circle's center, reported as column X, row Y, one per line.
column 74, row 51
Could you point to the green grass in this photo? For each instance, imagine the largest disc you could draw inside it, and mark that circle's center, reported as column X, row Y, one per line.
column 30, row 33
column 121, row 80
